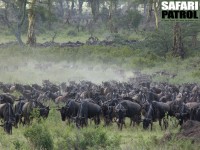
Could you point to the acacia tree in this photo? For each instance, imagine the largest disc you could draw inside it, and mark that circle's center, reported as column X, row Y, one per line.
column 153, row 6
column 31, row 38
column 14, row 16
column 156, row 5
column 178, row 50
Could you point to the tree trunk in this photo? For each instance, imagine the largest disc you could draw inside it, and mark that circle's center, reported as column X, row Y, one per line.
column 67, row 13
column 72, row 8
column 178, row 50
column 18, row 36
column 145, row 8
column 61, row 8
column 49, row 14
column 194, row 40
column 95, row 9
column 148, row 16
column 31, row 24
column 155, row 7
column 80, row 5
column 112, row 26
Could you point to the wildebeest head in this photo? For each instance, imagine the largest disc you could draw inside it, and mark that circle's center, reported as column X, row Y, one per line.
column 121, row 112
column 7, row 126
column 44, row 112
column 146, row 123
column 63, row 112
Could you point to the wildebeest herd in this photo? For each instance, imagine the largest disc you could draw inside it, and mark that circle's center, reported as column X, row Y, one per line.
column 110, row 102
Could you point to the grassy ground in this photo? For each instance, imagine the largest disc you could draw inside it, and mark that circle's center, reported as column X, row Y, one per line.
column 64, row 136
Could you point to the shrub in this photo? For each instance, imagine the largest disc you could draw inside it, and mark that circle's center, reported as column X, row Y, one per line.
column 72, row 33
column 39, row 137
column 160, row 41
column 18, row 145
column 132, row 19
column 92, row 138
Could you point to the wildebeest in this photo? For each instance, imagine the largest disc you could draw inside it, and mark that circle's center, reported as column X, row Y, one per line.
column 121, row 113
column 18, row 111
column 108, row 110
column 87, row 110
column 7, row 114
column 126, row 108
column 6, row 98
column 70, row 110
column 52, row 95
column 29, row 107
column 194, row 109
column 179, row 110
column 157, row 110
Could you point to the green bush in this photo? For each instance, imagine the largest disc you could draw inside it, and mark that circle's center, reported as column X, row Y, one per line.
column 18, row 145
column 161, row 40
column 72, row 33
column 39, row 137
column 91, row 138
column 132, row 19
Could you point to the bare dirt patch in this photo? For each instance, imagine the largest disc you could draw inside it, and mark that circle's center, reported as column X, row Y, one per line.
column 190, row 130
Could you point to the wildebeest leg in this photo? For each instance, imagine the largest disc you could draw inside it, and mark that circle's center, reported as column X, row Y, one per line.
column 121, row 125
column 23, row 121
column 20, row 120
column 98, row 120
column 151, row 123
column 131, row 121
column 160, row 123
column 91, row 121
column 106, row 122
column 124, row 123
column 68, row 120
column 86, row 121
column 82, row 122
column 28, row 121
column 165, row 122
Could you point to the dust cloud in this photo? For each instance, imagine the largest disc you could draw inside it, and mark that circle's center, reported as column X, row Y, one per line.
column 34, row 72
